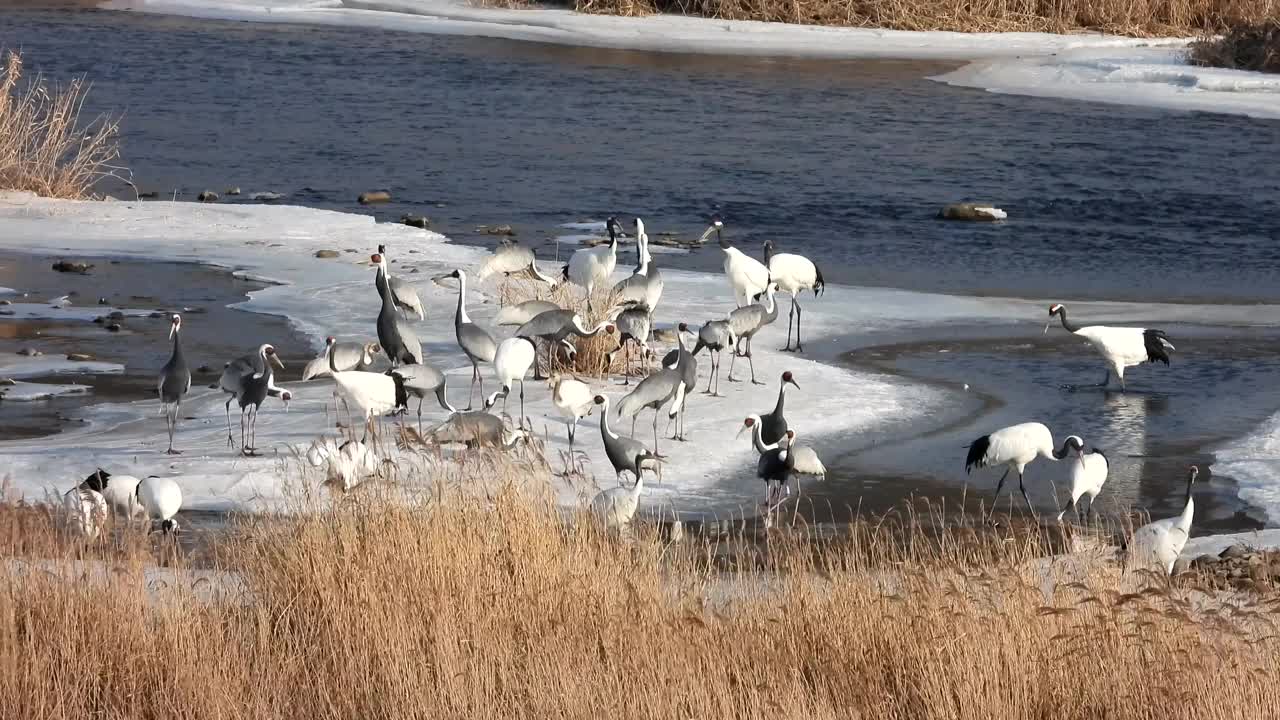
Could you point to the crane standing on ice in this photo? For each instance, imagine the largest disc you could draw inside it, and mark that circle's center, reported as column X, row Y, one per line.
column 793, row 274
column 1121, row 347
column 747, row 276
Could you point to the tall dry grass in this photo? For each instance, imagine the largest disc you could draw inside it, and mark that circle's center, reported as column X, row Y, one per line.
column 1245, row 47
column 592, row 352
column 491, row 603
column 1142, row 18
column 45, row 147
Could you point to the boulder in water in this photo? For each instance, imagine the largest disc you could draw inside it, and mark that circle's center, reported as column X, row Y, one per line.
column 376, row 196
column 207, row 196
column 974, row 212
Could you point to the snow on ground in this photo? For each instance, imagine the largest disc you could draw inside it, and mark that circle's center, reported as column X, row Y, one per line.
column 1157, row 77
column 1254, row 462
column 28, row 392
column 21, row 366
column 336, row 296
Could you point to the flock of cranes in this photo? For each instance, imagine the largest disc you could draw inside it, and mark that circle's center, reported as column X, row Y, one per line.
column 634, row 303
column 1017, row 446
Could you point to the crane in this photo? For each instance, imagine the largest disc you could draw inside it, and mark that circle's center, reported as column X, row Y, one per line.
column 626, row 454
column 1015, row 447
column 1087, row 476
column 1159, row 543
column 747, row 321
column 402, row 293
column 1121, row 347
column 175, row 381
column 747, row 276
column 793, row 274
column 715, row 336
column 397, row 340
column 474, row 340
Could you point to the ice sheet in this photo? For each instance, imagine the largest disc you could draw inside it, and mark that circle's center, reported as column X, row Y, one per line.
column 29, row 392
column 15, row 366
column 1253, row 461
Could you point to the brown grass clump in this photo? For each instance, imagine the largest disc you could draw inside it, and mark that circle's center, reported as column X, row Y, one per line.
column 1145, row 18
column 44, row 146
column 1243, row 47
column 492, row 604
column 592, row 351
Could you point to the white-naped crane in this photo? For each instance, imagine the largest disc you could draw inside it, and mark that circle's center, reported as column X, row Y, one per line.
column 793, row 274
column 474, row 340
column 372, row 394
column 683, row 362
column 626, row 454
column 747, row 276
column 589, row 267
column 522, row 313
column 644, row 286
column 1015, row 447
column 615, row 507
column 1159, row 543
column 715, row 336
column 512, row 260
column 749, row 320
column 801, row 459
column 665, row 385
column 476, row 429
column 773, row 424
column 634, row 325
column 1088, row 475
column 511, row 363
column 347, row 356
column 1121, row 347
column 346, row 464
column 395, row 337
column 237, row 373
column 175, row 381
column 554, row 327
column 255, row 387
column 403, row 294
column 771, row 466
column 419, row 381
column 161, row 498
column 85, row 507
column 573, row 401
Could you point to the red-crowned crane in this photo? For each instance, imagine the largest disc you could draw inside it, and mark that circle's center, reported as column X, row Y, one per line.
column 747, row 276
column 1088, row 475
column 1121, row 347
column 793, row 274
column 1159, row 543
column 1014, row 447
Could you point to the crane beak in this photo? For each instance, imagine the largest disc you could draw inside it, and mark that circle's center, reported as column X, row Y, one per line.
column 1046, row 327
column 740, row 431
column 275, row 358
column 707, row 233
column 793, row 382
column 439, row 279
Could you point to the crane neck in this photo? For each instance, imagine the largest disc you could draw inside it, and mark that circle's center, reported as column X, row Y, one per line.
column 1070, row 326
column 605, row 432
column 782, row 396
column 1189, row 508
column 1059, row 454
column 461, row 317
column 770, row 306
column 333, row 365
column 757, row 439
column 768, row 252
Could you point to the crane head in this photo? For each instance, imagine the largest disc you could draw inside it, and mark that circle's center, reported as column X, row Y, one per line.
column 269, row 352
column 175, row 325
column 1074, row 442
column 787, row 378
column 1193, row 473
column 684, row 327
column 599, row 399
column 330, row 340
column 747, row 424
column 376, row 258
column 286, row 397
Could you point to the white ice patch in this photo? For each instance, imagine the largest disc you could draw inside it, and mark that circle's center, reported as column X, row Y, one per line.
column 1254, row 462
column 657, row 33
column 28, row 392
column 22, row 366
column 8, row 291
column 1157, row 77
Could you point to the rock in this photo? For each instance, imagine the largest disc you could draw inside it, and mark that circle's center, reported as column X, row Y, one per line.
column 501, row 230
column 1234, row 551
column 8, row 381
column 154, row 315
column 80, row 357
column 440, row 205
column 207, row 196
column 99, row 320
column 113, row 327
column 414, row 271
column 232, row 191
column 72, row 266
column 29, row 352
column 266, row 196
column 149, row 195
column 115, row 315
column 977, row 212
column 6, row 302
column 1181, row 565
column 328, row 254
column 194, row 310
column 376, row 196
column 1205, row 561
column 418, row 221
column 203, row 369
column 8, row 312
column 103, row 301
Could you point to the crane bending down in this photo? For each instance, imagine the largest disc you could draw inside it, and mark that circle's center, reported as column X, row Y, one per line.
column 793, row 274
column 554, row 328
column 511, row 259
column 161, row 497
column 1016, row 447
column 633, row 328
column 418, row 381
column 615, row 507
column 1121, row 347
column 175, row 381
column 715, row 336
column 1088, row 475
column 1159, row 543
column 511, row 363
column 524, row 312
column 348, row 356
column 747, row 276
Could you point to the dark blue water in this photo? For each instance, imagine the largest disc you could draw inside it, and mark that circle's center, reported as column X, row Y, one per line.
column 844, row 161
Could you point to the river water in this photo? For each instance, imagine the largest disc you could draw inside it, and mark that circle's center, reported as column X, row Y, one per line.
column 846, row 162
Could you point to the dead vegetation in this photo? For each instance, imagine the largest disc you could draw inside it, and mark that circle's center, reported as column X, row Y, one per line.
column 480, row 599
column 45, row 147
column 592, row 352
column 1253, row 46
column 1151, row 18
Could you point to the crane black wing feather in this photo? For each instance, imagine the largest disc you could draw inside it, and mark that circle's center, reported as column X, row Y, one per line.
column 977, row 453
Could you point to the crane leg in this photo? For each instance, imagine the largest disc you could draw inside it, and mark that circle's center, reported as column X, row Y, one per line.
column 791, row 316
column 231, row 442
column 171, row 416
column 1023, row 489
column 655, row 432
column 999, row 487
column 480, row 377
column 244, row 447
column 419, row 417
column 733, row 358
column 712, row 355
column 752, row 362
column 472, row 394
column 253, row 427
column 626, row 364
column 799, row 315
column 522, row 404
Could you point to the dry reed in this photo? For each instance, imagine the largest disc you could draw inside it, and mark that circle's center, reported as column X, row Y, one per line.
column 592, row 358
column 492, row 604
column 44, row 146
column 1245, row 47
column 1145, row 18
